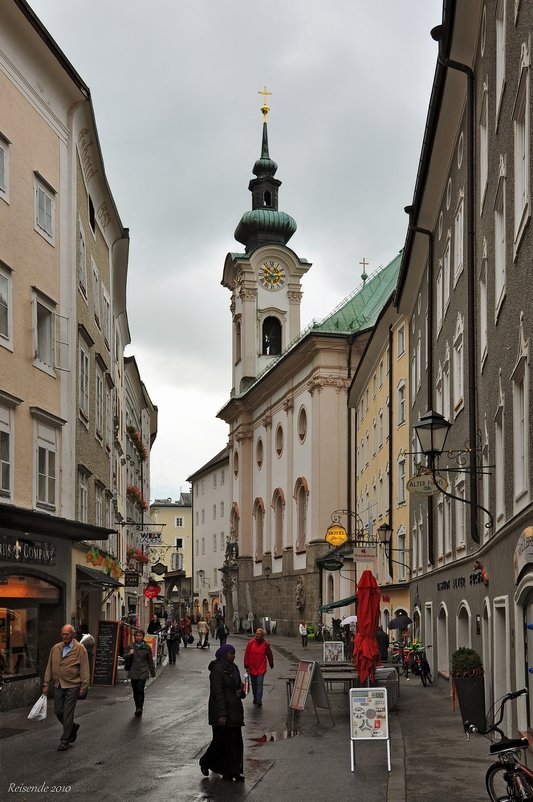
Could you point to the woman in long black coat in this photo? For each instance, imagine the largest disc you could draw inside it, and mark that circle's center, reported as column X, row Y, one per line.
column 226, row 717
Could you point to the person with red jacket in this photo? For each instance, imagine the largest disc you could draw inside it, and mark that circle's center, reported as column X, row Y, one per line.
column 257, row 653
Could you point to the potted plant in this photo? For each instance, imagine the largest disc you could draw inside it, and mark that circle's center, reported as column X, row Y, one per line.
column 469, row 686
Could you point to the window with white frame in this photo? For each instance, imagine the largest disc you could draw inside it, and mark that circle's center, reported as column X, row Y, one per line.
column 447, row 526
column 386, row 495
column 96, row 293
column 380, row 429
column 500, row 19
column 483, row 311
column 458, row 366
column 381, row 373
column 418, row 363
column 82, row 261
column 401, row 341
column 215, row 479
column 446, row 273
column 203, row 545
column 6, row 448
column 439, row 296
column 108, row 417
column 83, row 380
column 520, row 387
column 440, row 527
column 374, row 437
column 401, row 403
column 221, row 509
column 413, row 376
column 458, row 239
column 99, row 402
column 44, row 210
column 214, row 542
column 4, row 168
column 43, row 332
column 438, row 390
column 414, row 545
column 106, row 318
column 179, row 521
column 98, row 505
column 222, row 476
column 460, row 514
column 203, row 516
column 522, row 210
column 402, row 555
column 222, row 541
column 214, row 512
column 367, row 447
column 500, row 244
column 6, row 307
column 446, row 391
column 197, row 548
column 499, row 461
column 46, row 466
column 401, row 480
column 483, row 145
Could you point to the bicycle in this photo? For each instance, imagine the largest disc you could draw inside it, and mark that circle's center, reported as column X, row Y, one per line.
column 507, row 780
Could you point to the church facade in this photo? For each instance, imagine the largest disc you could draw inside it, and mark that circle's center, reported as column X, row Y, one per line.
column 289, row 423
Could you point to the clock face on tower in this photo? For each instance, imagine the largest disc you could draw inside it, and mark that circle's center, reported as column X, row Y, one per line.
column 272, row 275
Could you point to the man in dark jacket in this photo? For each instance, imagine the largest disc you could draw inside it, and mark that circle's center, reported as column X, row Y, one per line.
column 139, row 663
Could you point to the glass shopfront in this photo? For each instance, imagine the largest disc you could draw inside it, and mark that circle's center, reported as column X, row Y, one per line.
column 24, row 600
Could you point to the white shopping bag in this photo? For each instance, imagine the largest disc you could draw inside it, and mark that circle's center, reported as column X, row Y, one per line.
column 39, row 709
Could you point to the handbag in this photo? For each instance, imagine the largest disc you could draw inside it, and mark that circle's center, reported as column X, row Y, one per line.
column 190, row 639
column 39, row 709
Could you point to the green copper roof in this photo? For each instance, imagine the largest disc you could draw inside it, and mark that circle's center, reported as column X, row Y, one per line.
column 272, row 224
column 361, row 309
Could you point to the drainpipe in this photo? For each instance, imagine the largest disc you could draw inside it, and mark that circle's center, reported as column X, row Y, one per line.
column 437, row 34
column 430, row 381
column 389, row 423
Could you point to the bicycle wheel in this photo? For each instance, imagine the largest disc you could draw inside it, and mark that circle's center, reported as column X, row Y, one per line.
column 496, row 782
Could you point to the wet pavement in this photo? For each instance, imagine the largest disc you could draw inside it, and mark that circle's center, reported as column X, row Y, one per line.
column 156, row 757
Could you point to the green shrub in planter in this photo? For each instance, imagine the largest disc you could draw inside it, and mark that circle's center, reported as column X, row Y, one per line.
column 466, row 663
column 467, row 678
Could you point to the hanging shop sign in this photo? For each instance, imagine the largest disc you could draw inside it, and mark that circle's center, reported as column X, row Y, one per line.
column 159, row 569
column 523, row 553
column 150, row 538
column 152, row 591
column 333, row 564
column 425, row 483
column 336, row 535
column 131, row 579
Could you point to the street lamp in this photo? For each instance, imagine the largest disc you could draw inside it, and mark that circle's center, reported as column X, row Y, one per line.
column 432, row 430
column 267, row 571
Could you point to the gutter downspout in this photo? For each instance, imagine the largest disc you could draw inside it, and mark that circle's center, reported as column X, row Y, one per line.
column 390, row 422
column 430, row 383
column 470, row 246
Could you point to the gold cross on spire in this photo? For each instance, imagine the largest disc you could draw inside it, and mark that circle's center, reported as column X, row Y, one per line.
column 264, row 108
column 364, row 264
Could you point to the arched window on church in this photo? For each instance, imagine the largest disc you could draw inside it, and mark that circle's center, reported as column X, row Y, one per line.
column 238, row 341
column 259, row 514
column 278, row 501
column 301, row 492
column 271, row 336
column 267, row 198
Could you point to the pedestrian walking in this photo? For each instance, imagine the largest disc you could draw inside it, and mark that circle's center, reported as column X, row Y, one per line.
column 154, row 627
column 203, row 632
column 383, row 643
column 256, row 655
column 302, row 629
column 173, row 640
column 222, row 632
column 224, row 754
column 186, row 629
column 139, row 664
column 68, row 670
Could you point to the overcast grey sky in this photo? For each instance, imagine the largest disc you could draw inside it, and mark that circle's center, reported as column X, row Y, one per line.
column 175, row 91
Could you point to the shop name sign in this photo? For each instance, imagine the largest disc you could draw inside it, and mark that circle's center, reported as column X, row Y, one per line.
column 425, row 483
column 18, row 550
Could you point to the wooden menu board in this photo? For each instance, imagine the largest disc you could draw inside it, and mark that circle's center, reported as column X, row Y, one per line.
column 105, row 657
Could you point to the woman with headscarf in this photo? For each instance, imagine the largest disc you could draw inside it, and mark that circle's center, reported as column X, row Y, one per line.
column 224, row 754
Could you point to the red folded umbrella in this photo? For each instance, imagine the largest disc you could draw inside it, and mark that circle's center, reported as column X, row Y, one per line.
column 365, row 649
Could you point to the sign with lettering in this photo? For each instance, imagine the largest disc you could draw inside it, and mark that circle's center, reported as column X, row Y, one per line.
column 425, row 484
column 523, row 553
column 21, row 550
column 336, row 535
column 131, row 579
column 106, row 653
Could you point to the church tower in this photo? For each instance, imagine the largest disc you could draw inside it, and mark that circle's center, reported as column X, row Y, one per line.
column 265, row 279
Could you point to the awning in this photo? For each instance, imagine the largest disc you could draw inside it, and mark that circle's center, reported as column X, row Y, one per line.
column 89, row 576
column 340, row 603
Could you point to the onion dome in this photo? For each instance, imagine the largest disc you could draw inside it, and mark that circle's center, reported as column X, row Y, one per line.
column 264, row 224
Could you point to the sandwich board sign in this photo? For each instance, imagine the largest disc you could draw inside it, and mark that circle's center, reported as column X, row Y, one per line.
column 309, row 678
column 369, row 718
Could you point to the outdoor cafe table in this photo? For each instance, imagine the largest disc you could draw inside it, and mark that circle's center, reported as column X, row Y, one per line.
column 345, row 674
